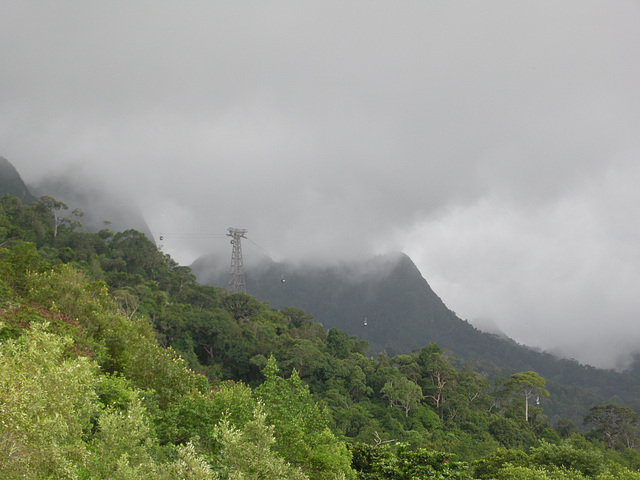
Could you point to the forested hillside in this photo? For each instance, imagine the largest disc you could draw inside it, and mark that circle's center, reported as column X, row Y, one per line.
column 116, row 363
column 403, row 314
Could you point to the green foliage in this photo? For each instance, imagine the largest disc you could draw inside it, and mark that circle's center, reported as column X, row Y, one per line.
column 400, row 463
column 617, row 472
column 509, row 433
column 153, row 368
column 125, row 448
column 575, row 458
column 195, row 415
column 122, row 446
column 614, row 424
column 46, row 402
column 20, row 223
column 53, row 206
column 15, row 264
column 566, row 428
column 488, row 467
column 249, row 454
column 242, row 306
column 527, row 384
column 402, row 392
column 588, row 462
column 188, row 466
column 301, row 427
column 510, row 472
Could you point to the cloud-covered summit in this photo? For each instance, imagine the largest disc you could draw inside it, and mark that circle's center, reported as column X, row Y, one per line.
column 494, row 142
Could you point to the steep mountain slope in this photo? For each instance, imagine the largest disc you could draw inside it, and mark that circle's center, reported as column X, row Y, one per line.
column 388, row 293
column 11, row 182
column 403, row 313
column 101, row 208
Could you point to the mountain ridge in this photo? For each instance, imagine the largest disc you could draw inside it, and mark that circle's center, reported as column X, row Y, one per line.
column 390, row 279
column 404, row 313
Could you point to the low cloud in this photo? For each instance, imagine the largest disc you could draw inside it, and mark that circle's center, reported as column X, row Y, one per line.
column 495, row 143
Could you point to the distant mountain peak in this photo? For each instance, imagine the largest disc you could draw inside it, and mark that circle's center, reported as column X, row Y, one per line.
column 384, row 300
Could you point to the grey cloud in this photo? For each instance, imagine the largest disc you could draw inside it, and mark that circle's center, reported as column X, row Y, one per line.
column 486, row 139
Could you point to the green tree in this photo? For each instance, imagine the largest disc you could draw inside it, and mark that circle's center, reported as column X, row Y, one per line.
column 510, row 472
column 295, row 317
column 133, row 253
column 399, row 462
column 53, row 206
column 614, row 424
column 46, row 403
column 588, row 462
column 437, row 376
column 242, row 306
column 150, row 367
column 248, row 453
column 125, row 448
column 402, row 392
column 566, row 428
column 510, row 433
column 188, row 466
column 489, row 466
column 122, row 446
column 196, row 414
column 301, row 427
column 16, row 264
column 528, row 384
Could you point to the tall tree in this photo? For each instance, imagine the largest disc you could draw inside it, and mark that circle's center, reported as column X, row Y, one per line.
column 528, row 384
column 53, row 206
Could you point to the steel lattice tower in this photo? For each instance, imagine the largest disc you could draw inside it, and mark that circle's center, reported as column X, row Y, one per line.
column 236, row 274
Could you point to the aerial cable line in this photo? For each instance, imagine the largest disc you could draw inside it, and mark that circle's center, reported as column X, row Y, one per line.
column 264, row 250
column 193, row 235
column 290, row 268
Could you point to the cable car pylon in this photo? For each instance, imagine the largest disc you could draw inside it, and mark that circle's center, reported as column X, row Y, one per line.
column 236, row 273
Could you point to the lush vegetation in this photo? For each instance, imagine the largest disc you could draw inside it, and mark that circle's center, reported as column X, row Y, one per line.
column 115, row 363
column 405, row 314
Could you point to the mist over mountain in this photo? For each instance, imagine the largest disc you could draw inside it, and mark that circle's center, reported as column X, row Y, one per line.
column 102, row 206
column 512, row 190
column 403, row 313
column 11, row 182
column 384, row 300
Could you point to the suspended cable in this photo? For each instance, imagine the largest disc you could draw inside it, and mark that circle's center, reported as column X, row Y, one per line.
column 264, row 250
column 193, row 235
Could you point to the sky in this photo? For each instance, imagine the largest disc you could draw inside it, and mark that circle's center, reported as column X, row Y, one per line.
column 497, row 143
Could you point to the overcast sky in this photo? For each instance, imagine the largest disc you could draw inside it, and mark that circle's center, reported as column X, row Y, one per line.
column 496, row 142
